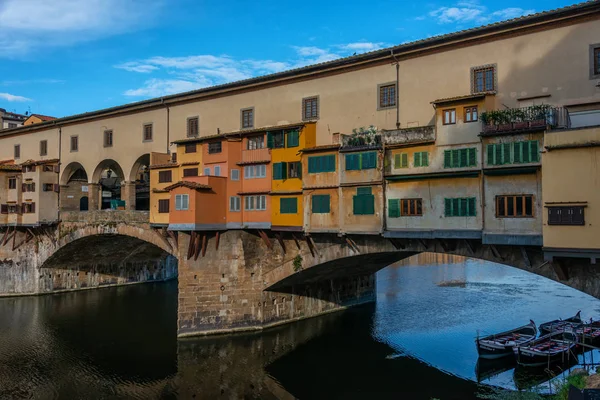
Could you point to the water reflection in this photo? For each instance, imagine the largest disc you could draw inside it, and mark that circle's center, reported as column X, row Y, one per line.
column 416, row 342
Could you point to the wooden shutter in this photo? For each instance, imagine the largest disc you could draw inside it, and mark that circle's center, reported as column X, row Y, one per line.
column 369, row 204
column 56, row 188
column 352, row 163
column 357, row 205
column 364, row 191
column 490, row 154
column 425, row 159
column 471, row 207
column 404, row 160
column 312, row 165
column 577, row 216
column 448, row 207
column 393, row 208
column 330, row 163
column 526, row 152
column 534, row 155
column 292, row 138
column 397, row 161
column 447, row 158
column 4, row 209
column 518, row 152
column 269, row 140
column 417, row 159
column 553, row 215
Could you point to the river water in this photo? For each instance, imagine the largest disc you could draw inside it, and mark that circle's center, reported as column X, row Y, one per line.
column 415, row 342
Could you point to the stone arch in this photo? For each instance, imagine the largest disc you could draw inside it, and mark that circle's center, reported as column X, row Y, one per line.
column 139, row 181
column 109, row 177
column 74, row 182
column 104, row 165
column 72, row 171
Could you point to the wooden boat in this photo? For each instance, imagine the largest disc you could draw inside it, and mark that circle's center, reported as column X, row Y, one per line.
column 588, row 333
column 554, row 347
column 502, row 344
column 560, row 324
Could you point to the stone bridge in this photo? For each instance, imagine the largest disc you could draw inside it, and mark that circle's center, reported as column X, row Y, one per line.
column 235, row 280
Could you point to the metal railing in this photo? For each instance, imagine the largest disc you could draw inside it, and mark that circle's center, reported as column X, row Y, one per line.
column 525, row 118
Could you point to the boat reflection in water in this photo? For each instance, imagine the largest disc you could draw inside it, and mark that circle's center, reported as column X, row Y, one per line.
column 526, row 378
column 488, row 368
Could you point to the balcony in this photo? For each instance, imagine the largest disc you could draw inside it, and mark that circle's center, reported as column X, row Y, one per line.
column 420, row 134
column 361, row 139
column 256, row 156
column 527, row 119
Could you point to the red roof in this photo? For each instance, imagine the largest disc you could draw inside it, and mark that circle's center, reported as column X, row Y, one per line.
column 189, row 185
column 43, row 117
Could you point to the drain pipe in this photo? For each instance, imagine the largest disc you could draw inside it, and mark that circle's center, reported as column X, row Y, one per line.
column 397, row 89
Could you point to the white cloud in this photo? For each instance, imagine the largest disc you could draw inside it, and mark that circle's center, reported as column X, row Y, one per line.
column 12, row 97
column 180, row 74
column 466, row 12
column 31, row 24
column 30, row 82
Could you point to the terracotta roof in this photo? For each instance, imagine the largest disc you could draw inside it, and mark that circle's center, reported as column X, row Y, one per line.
column 167, row 165
column 242, row 133
column 10, row 167
column 155, row 190
column 40, row 162
column 190, row 163
column 381, row 55
column 267, row 191
column 459, row 98
column 7, row 162
column 253, row 162
column 325, row 147
column 285, row 192
column 189, row 185
column 43, row 117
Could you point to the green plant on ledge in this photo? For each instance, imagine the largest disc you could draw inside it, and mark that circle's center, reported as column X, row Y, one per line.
column 500, row 117
column 364, row 137
column 298, row 263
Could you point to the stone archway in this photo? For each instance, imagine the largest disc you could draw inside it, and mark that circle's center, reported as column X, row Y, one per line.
column 138, row 185
column 107, row 182
column 74, row 186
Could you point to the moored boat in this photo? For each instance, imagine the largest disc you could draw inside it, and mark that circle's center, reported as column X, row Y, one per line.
column 502, row 344
column 588, row 333
column 554, row 347
column 561, row 324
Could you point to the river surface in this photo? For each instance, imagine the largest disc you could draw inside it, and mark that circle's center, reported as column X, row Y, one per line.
column 415, row 342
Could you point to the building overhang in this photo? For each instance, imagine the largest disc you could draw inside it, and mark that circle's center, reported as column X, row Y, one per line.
column 432, row 234
column 555, row 252
column 441, row 175
column 512, row 239
column 512, row 171
column 287, row 228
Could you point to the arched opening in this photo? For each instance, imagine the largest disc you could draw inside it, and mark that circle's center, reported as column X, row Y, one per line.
column 140, row 176
column 109, row 177
column 84, row 204
column 74, row 187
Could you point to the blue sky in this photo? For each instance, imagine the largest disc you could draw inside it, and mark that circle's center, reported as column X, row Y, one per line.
column 64, row 57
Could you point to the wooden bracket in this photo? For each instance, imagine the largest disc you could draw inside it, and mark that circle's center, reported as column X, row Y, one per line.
column 398, row 245
column 204, row 244
column 560, row 269
column 423, row 243
column 525, row 257
column 174, row 236
column 266, row 239
column 310, row 245
column 280, row 240
column 197, row 246
column 190, row 252
column 30, row 237
column 217, row 237
column 3, row 241
column 297, row 242
column 14, row 239
column 469, row 246
column 443, row 245
column 495, row 252
column 352, row 244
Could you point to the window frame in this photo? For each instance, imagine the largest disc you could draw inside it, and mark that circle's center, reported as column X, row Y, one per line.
column 572, row 209
column 12, row 183
column 317, row 207
column 74, row 139
column 380, row 88
column 297, row 167
column 448, row 111
column 188, row 172
column 212, row 147
column 43, row 148
column 514, row 198
column 12, row 125
column 163, row 179
column 187, row 201
column 234, row 174
column 459, row 200
column 161, row 209
column 217, row 170
column 280, row 145
column 484, row 68
column 595, row 61
column 189, row 146
column 469, row 111
column 293, row 200
column 188, row 131
column 17, row 151
column 321, row 164
column 108, row 138
column 237, row 203
column 144, row 127
column 311, row 99
column 243, row 113
column 252, row 139
column 413, row 206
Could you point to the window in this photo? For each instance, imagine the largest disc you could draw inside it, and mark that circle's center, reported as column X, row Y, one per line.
column 163, row 206
column 483, row 79
column 421, row 159
column 280, row 171
column 182, row 202
column 460, row 158
column 28, row 208
column 17, row 151
column 519, row 206
column 50, row 168
column 401, row 160
column 513, row 152
column 190, row 148
column 48, row 187
column 460, row 207
column 310, row 108
column 321, row 204
column 275, row 140
column 12, row 125
column 28, row 187
column 294, row 169
column 450, row 116
column 214, row 148
column 192, row 127
column 364, row 202
column 74, row 143
column 43, row 147
column 247, row 117
column 288, row 205
column 358, row 161
column 190, row 172
column 255, row 171
column 471, row 114
column 207, row 171
column 318, row 164
column 108, row 138
column 293, row 138
column 595, row 61
column 235, row 203
column 256, row 142
column 174, row 157
column 165, row 176
column 217, row 170
column 566, row 215
column 255, row 203
column 3, row 208
column 235, row 174
column 147, row 132
column 28, row 168
column 405, row 208
column 12, row 183
column 14, row 209
column 387, row 95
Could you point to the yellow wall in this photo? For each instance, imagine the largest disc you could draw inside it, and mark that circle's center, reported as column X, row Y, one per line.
column 572, row 175
column 158, row 159
column 322, row 222
column 279, row 219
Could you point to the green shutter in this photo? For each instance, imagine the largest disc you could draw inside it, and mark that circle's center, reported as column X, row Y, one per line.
column 369, row 204
column 404, row 160
column 472, row 156
column 397, row 162
column 534, row 155
column 284, row 169
column 312, row 165
column 368, row 160
column 416, row 159
column 352, row 162
column 299, row 169
column 280, row 171
column 321, row 204
column 471, row 207
column 456, row 158
column 506, row 158
column 464, row 158
column 462, row 207
column 425, row 159
column 269, row 140
column 364, row 190
column 394, row 208
column 292, row 139
column 518, row 152
column 490, row 154
column 330, row 163
column 448, row 207
column 447, row 158
column 357, row 205
column 288, row 205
